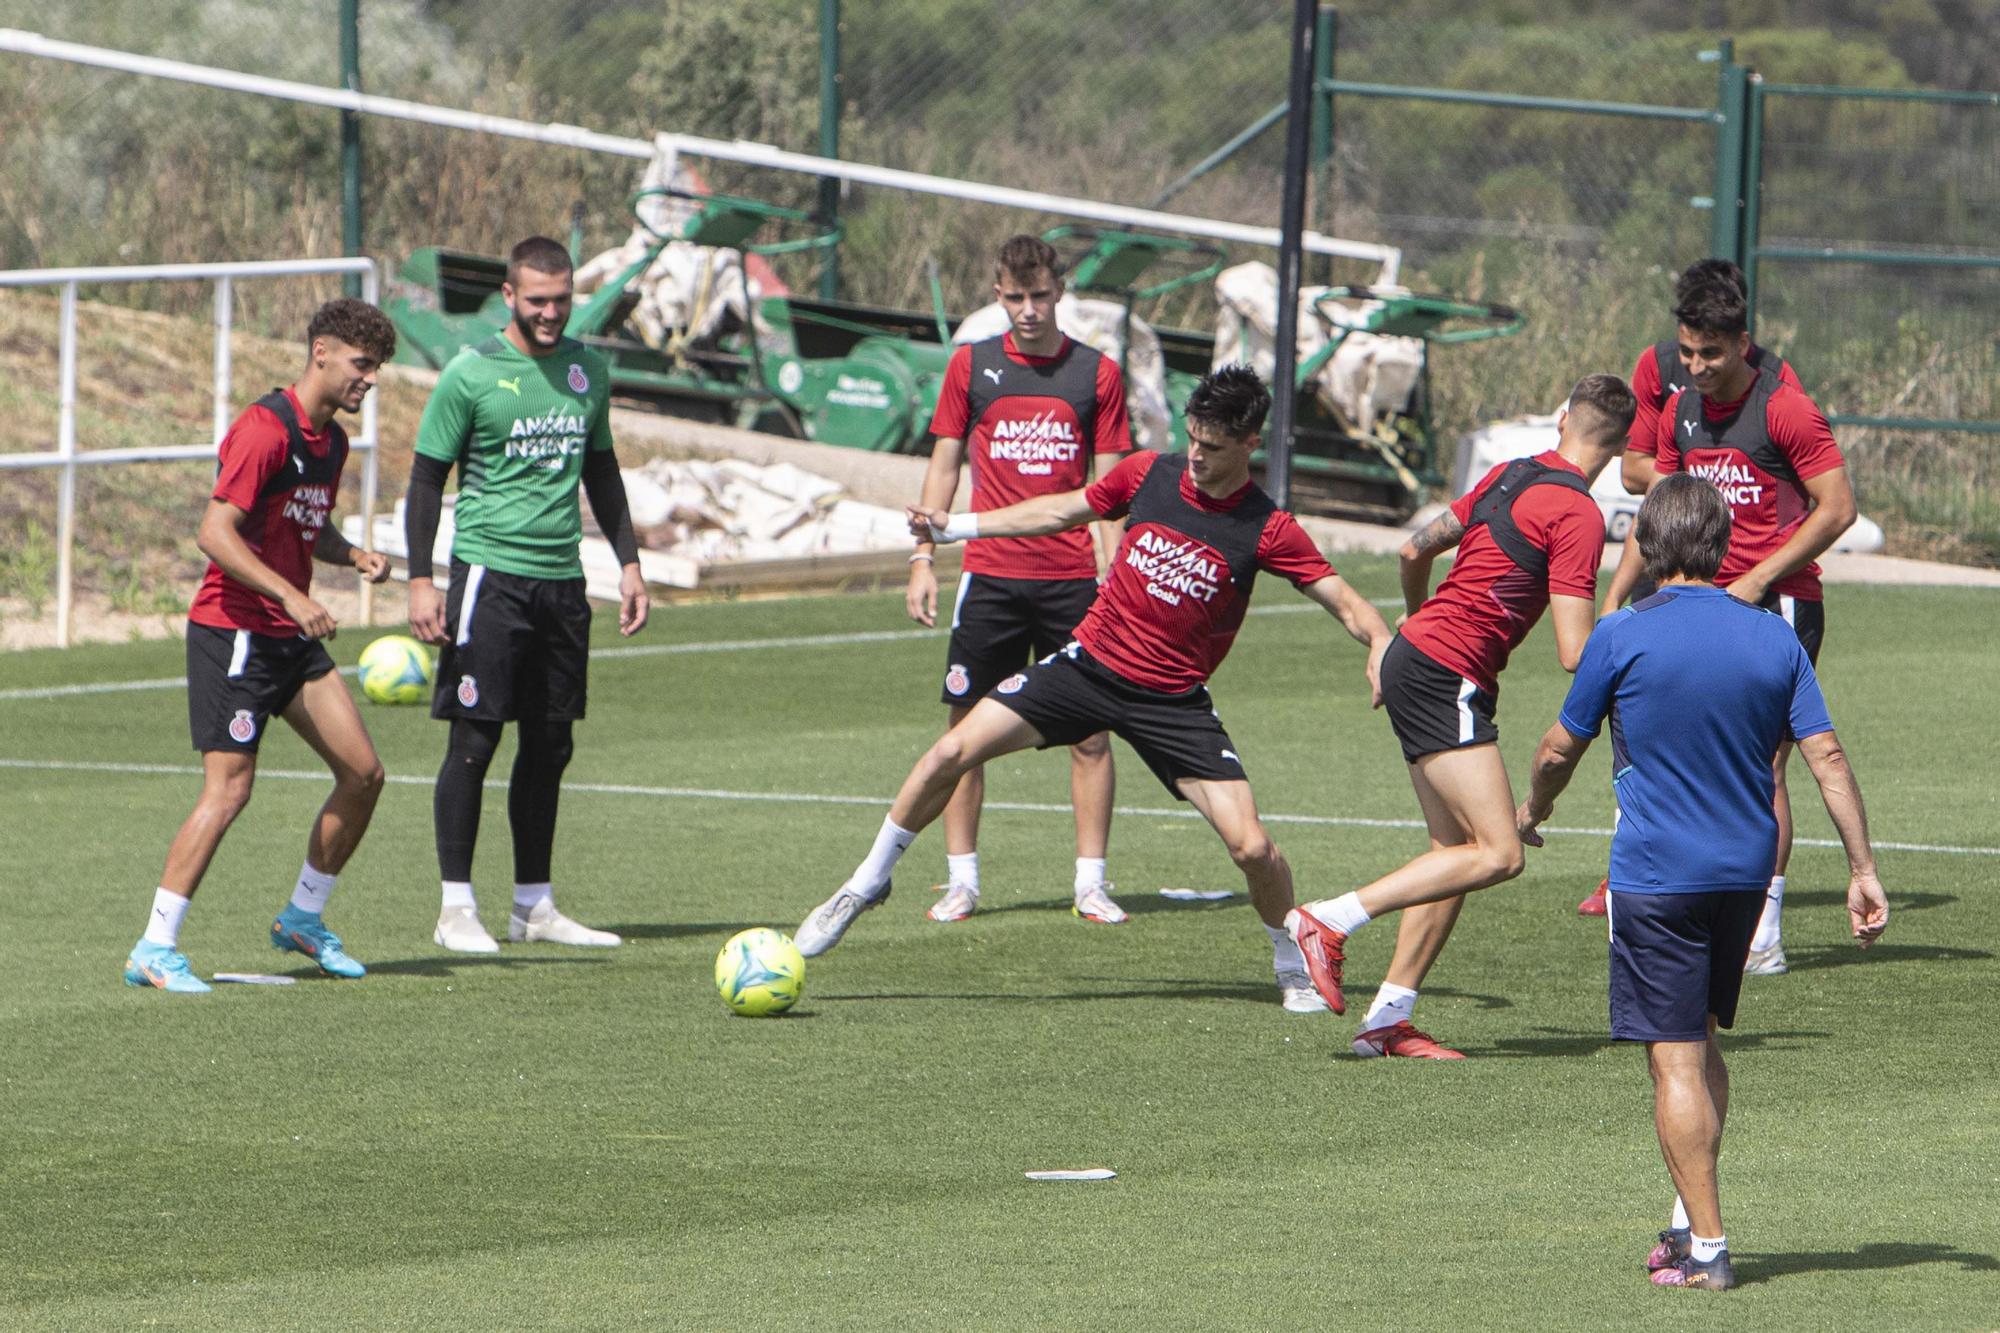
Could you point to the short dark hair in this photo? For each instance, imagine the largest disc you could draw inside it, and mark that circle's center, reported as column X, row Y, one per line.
column 1610, row 403
column 355, row 323
column 1232, row 399
column 1703, row 272
column 1683, row 528
column 1022, row 256
column 540, row 254
column 1714, row 307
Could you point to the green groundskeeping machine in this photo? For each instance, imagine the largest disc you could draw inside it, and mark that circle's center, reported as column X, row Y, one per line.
column 867, row 377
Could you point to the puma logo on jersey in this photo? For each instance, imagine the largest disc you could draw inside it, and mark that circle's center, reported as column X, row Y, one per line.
column 1687, row 427
column 299, row 463
column 991, row 374
column 512, row 386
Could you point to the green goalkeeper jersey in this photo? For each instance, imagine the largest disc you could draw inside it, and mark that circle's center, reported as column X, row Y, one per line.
column 517, row 427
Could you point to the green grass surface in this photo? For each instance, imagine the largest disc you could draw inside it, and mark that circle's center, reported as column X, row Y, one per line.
column 567, row 1139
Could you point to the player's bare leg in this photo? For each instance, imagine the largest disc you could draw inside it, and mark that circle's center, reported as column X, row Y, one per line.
column 991, row 729
column 1690, row 1105
column 156, row 960
column 1767, row 946
column 1231, row 811
column 961, row 838
column 1421, row 932
column 1092, row 786
column 1470, row 785
column 324, row 716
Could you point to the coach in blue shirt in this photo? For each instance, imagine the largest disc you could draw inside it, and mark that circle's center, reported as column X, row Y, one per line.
column 1700, row 689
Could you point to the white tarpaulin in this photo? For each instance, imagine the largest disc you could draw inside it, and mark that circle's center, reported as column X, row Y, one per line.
column 1369, row 377
column 1101, row 324
column 689, row 291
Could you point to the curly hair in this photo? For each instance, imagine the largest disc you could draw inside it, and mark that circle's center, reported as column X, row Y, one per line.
column 355, row 323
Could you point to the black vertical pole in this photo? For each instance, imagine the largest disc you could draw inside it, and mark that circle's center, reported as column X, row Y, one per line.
column 1291, row 230
column 350, row 141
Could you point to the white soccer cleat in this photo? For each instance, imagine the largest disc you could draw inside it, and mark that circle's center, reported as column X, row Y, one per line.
column 545, row 925
column 957, row 904
column 1766, row 962
column 1298, row 994
column 829, row 921
column 1096, row 905
column 458, row 930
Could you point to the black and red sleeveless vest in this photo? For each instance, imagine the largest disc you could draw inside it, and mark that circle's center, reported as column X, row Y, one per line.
column 1494, row 510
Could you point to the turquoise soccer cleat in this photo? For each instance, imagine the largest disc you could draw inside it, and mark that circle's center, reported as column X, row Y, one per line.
column 302, row 932
column 162, row 968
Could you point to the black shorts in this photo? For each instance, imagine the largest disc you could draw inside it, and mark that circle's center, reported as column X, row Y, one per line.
column 1676, row 958
column 999, row 626
column 516, row 647
column 1070, row 696
column 1807, row 619
column 1432, row 707
column 238, row 681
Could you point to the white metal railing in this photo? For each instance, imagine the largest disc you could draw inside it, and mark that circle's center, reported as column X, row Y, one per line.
column 69, row 458
column 739, row 150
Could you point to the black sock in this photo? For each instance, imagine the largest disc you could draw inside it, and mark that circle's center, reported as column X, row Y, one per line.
column 455, row 804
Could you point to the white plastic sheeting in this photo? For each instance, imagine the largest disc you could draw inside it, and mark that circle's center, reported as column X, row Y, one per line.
column 690, row 291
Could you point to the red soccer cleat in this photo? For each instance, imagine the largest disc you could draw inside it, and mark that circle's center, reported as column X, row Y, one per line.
column 1320, row 943
column 1594, row 904
column 1674, row 1246
column 1405, row 1040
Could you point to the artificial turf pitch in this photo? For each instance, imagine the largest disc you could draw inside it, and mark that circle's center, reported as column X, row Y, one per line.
column 572, row 1138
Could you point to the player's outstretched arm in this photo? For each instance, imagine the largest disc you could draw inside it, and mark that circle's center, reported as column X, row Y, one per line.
column 1556, row 759
column 330, row 548
column 221, row 540
column 1363, row 623
column 1417, row 554
column 940, row 484
column 1037, row 516
column 1867, row 905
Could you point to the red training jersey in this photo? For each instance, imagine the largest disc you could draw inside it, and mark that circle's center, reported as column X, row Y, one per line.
column 1764, row 510
column 1035, row 417
column 1170, row 606
column 284, row 521
column 1487, row 603
column 1652, row 392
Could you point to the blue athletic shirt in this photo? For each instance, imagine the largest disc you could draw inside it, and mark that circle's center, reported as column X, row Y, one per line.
column 1700, row 689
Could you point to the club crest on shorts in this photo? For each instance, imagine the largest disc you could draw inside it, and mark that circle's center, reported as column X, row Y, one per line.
column 1013, row 683
column 956, row 680
column 468, row 692
column 578, row 381
column 243, row 727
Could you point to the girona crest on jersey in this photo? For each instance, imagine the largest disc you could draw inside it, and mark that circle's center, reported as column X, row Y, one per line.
column 578, row 381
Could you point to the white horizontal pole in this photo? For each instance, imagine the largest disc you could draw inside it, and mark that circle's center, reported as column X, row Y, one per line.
column 163, row 453
column 754, row 154
column 254, row 268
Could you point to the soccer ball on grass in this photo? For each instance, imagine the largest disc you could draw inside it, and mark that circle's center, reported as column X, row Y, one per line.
column 760, row 972
column 396, row 669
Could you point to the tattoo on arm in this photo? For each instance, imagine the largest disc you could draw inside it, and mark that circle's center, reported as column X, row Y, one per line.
column 1442, row 534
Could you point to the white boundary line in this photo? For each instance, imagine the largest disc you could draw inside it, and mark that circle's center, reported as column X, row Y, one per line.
column 824, row 798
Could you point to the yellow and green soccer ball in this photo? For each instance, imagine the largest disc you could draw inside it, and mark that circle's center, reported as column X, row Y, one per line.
column 396, row 669
column 760, row 972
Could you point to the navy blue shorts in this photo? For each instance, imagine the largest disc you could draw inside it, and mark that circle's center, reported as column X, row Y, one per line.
column 1676, row 958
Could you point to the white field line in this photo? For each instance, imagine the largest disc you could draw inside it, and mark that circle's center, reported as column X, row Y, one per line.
column 634, row 650
column 824, row 798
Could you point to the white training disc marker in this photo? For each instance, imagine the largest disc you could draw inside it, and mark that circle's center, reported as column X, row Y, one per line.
column 1094, row 1173
column 1197, row 895
column 255, row 979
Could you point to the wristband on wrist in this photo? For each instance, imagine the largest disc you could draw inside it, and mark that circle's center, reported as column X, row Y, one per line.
column 924, row 556
column 960, row 527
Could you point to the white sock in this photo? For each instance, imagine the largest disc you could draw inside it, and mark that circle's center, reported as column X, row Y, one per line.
column 1345, row 913
column 1089, row 873
column 962, row 871
column 313, row 889
column 1680, row 1221
column 1768, row 925
column 163, row 927
column 1285, row 955
column 527, row 895
column 873, row 873
column 1393, row 1004
column 1705, row 1250
column 458, row 893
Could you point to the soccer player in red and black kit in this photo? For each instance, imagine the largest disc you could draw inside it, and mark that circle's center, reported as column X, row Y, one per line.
column 1660, row 370
column 1529, row 538
column 1028, row 410
column 1197, row 532
column 1768, row 449
column 253, row 642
